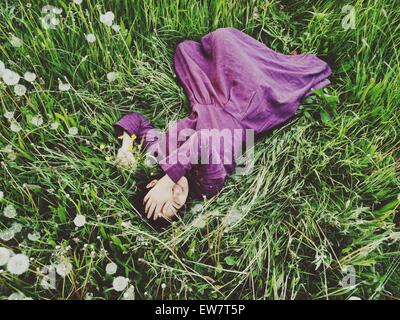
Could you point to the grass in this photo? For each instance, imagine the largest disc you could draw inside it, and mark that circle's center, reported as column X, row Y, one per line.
column 323, row 193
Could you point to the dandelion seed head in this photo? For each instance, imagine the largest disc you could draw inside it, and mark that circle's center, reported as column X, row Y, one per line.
column 37, row 120
column 112, row 76
column 7, row 234
column 78, row 2
column 80, row 220
column 9, row 115
column 116, row 27
column 34, row 236
column 16, row 227
column 15, row 126
column 90, row 38
column 19, row 90
column 5, row 255
column 107, row 18
column 16, row 42
column 63, row 87
column 30, row 76
column 10, row 211
column 63, row 268
column 2, row 68
column 1, row 195
column 18, row 264
column 73, row 131
column 163, row 286
column 54, row 126
column 10, row 77
column 120, row 283
column 199, row 222
column 111, row 268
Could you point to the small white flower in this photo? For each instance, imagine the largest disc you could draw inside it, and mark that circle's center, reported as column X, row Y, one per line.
column 7, row 234
column 129, row 294
column 18, row 264
column 163, row 286
column 37, row 120
column 80, row 220
column 111, row 268
column 197, row 208
column 16, row 227
column 5, row 255
column 10, row 212
column 64, row 87
column 57, row 10
column 19, row 90
column 9, row 115
column 107, row 18
column 78, row 2
column 15, row 126
column 29, row 76
column 64, row 268
column 90, row 38
column 120, row 283
column 116, row 27
column 199, row 222
column 16, row 42
column 54, row 126
column 73, row 131
column 16, row 296
column 10, row 77
column 112, row 76
column 34, row 236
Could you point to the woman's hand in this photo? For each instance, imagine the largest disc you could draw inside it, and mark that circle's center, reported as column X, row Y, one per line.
column 125, row 158
column 159, row 195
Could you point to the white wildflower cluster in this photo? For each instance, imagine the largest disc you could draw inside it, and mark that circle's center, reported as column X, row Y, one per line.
column 80, row 220
column 50, row 19
column 199, row 222
column 17, row 264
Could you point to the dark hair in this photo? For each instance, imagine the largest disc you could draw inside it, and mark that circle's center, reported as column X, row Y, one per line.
column 160, row 224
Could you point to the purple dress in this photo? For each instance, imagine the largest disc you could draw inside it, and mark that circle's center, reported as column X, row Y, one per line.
column 233, row 82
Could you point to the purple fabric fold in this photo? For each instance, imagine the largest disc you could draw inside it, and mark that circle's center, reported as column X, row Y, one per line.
column 232, row 82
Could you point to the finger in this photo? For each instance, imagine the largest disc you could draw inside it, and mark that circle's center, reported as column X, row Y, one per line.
column 157, row 212
column 151, row 184
column 146, row 197
column 147, row 206
column 151, row 210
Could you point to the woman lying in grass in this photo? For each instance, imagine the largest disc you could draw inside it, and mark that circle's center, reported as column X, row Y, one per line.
column 235, row 84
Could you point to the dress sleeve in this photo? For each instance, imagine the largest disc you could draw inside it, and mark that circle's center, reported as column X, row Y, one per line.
column 135, row 124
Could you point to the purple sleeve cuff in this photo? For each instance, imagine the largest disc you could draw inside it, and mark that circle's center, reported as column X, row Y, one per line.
column 175, row 172
column 129, row 123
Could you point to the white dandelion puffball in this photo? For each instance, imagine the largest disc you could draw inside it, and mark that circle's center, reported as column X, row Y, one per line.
column 9, row 115
column 7, row 235
column 1, row 195
column 90, row 38
column 10, row 77
column 116, row 27
column 73, row 131
column 16, row 296
column 54, row 126
column 107, row 18
column 64, row 87
column 112, row 76
column 199, row 222
column 15, row 126
column 16, row 42
column 18, row 264
column 5, row 255
column 80, row 220
column 111, row 268
column 34, row 236
column 16, row 227
column 30, row 76
column 129, row 294
column 2, row 68
column 10, row 212
column 63, row 268
column 120, row 283
column 78, row 2
column 19, row 90
column 37, row 120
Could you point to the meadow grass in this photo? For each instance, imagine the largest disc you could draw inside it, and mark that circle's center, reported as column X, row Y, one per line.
column 322, row 196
